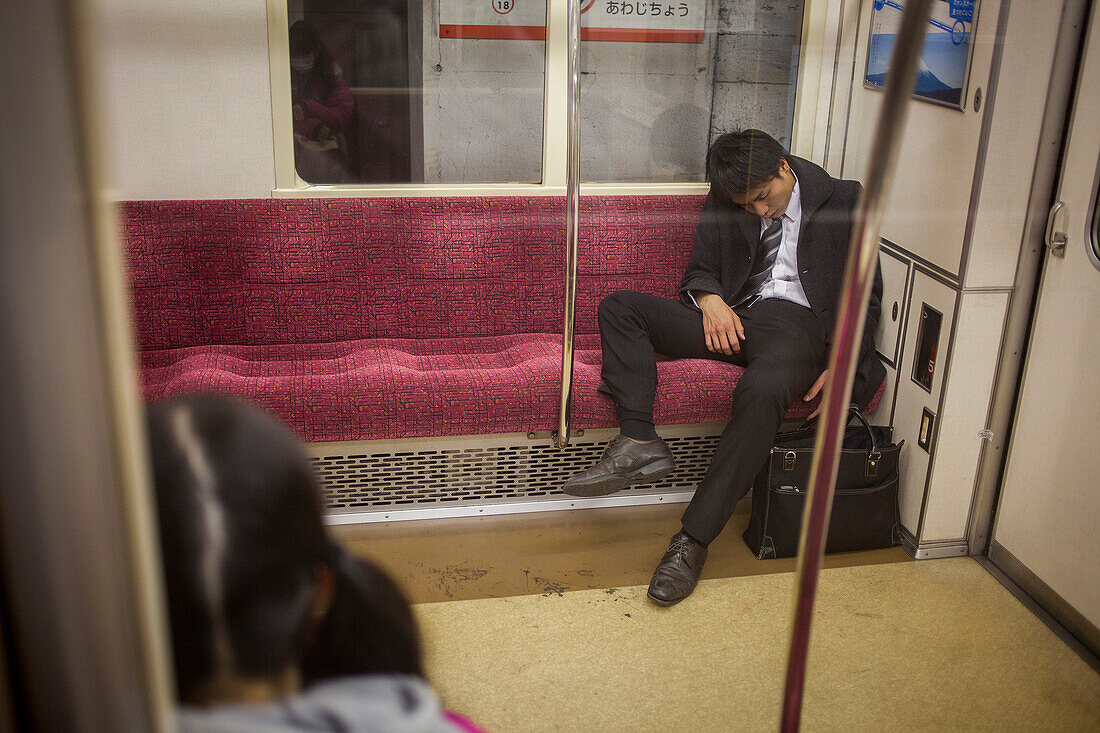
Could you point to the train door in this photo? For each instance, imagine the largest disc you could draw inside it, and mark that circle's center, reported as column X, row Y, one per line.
column 1045, row 534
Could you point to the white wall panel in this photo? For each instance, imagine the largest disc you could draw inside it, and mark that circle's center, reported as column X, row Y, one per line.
column 966, row 405
column 186, row 98
column 912, row 399
column 930, row 198
column 895, row 280
column 1013, row 146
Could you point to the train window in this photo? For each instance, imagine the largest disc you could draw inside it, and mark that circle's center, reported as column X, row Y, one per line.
column 380, row 95
column 397, row 92
column 650, row 109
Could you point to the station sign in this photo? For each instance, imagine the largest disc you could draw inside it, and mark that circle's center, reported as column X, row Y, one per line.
column 649, row 21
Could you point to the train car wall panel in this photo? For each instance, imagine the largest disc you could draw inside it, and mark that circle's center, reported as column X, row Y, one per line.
column 958, row 210
column 895, row 281
column 930, row 199
column 913, row 398
column 962, row 419
column 186, row 97
column 1012, row 142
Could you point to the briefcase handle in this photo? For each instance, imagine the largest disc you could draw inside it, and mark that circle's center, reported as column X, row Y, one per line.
column 853, row 411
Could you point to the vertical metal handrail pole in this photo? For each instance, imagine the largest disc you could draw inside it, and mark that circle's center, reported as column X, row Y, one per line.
column 572, row 216
column 859, row 274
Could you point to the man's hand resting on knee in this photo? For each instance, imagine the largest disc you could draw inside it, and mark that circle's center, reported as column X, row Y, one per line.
column 722, row 327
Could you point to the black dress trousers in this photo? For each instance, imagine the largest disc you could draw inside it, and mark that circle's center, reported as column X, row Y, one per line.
column 783, row 353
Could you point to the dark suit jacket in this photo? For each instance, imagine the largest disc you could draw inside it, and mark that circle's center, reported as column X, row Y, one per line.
column 726, row 241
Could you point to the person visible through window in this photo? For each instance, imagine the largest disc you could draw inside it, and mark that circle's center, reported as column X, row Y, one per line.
column 323, row 108
column 274, row 627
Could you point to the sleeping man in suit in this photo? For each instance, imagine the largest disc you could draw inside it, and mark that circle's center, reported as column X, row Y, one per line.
column 760, row 291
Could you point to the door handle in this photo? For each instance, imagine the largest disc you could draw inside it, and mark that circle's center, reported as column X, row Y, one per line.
column 1055, row 240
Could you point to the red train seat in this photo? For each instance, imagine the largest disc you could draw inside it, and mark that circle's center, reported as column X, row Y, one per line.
column 359, row 319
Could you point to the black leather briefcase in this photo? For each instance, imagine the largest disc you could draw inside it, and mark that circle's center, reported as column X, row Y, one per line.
column 865, row 505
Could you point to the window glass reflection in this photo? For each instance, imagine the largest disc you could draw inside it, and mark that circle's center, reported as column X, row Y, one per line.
column 322, row 108
column 389, row 92
column 652, row 102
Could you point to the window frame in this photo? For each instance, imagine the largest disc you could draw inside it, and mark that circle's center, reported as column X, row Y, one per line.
column 821, row 29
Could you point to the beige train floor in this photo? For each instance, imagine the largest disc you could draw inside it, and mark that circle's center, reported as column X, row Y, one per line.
column 554, row 552
column 551, row 631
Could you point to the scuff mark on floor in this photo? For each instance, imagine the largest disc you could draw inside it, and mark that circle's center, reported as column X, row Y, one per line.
column 550, row 587
column 451, row 577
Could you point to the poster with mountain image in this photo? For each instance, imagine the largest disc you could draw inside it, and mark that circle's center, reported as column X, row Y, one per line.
column 944, row 60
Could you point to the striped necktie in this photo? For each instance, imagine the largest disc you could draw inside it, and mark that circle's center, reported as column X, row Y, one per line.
column 766, row 252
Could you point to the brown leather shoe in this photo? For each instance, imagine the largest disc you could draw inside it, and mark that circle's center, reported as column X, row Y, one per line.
column 678, row 572
column 624, row 463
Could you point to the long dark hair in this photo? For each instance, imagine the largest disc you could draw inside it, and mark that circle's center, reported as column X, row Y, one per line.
column 369, row 627
column 244, row 549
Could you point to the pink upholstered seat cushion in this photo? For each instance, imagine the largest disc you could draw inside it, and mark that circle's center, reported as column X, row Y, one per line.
column 406, row 388
column 378, row 388
column 688, row 391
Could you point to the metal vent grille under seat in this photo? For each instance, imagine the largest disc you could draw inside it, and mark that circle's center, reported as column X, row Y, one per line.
column 395, row 477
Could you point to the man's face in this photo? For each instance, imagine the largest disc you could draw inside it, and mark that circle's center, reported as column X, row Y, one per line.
column 770, row 198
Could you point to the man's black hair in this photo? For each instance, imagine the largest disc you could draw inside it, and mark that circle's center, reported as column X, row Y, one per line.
column 740, row 161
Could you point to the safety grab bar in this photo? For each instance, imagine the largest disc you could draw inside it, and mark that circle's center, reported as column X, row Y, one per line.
column 572, row 217
column 859, row 274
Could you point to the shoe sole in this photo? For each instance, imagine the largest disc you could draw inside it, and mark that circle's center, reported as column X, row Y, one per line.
column 660, row 602
column 645, row 475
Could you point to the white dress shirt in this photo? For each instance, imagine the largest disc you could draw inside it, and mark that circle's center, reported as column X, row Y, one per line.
column 784, row 282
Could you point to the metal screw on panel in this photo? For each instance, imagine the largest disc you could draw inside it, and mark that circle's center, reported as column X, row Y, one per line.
column 978, row 99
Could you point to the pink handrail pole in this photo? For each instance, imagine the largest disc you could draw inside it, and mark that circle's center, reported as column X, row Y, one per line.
column 859, row 275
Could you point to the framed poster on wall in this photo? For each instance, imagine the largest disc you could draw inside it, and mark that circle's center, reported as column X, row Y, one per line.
column 945, row 58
